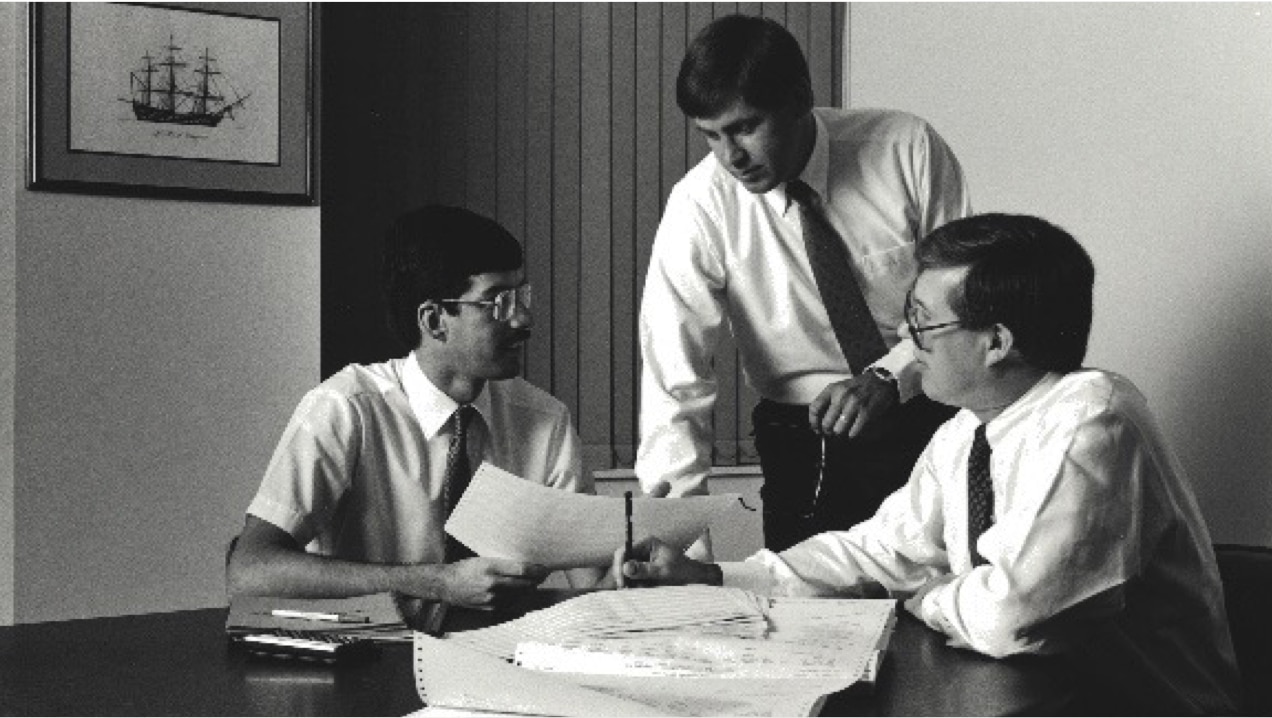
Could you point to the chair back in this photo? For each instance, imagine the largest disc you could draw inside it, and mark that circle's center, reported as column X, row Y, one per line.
column 1247, row 586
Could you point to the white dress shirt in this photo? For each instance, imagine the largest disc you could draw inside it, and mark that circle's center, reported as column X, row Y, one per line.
column 360, row 468
column 1098, row 546
column 726, row 258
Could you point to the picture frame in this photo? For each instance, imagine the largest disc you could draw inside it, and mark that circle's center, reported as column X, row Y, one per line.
column 196, row 101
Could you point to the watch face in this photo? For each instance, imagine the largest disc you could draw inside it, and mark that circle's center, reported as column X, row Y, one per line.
column 882, row 373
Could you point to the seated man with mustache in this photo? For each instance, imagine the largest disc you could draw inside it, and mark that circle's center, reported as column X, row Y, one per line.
column 375, row 458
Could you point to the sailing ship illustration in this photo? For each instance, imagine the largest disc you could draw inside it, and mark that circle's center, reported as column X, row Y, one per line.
column 166, row 89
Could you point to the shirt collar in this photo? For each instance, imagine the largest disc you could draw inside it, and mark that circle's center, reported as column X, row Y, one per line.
column 431, row 406
column 815, row 173
column 1020, row 408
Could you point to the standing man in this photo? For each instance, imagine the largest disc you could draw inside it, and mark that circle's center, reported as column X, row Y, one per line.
column 373, row 461
column 797, row 235
column 1048, row 516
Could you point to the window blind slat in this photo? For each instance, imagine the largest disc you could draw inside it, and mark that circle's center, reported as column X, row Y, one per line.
column 538, row 196
column 622, row 276
column 596, row 240
column 481, row 123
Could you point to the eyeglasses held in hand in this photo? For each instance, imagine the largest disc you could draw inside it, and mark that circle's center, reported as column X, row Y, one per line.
column 504, row 305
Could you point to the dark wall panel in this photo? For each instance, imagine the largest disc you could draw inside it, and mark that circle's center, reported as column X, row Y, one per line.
column 557, row 119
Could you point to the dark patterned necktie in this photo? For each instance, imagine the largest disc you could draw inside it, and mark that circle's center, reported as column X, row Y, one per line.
column 459, row 473
column 855, row 328
column 980, row 493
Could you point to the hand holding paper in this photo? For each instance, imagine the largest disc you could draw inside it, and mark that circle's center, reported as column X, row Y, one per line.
column 503, row 516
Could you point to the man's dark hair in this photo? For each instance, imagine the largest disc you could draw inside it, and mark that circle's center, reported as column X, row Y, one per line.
column 432, row 253
column 1024, row 273
column 742, row 57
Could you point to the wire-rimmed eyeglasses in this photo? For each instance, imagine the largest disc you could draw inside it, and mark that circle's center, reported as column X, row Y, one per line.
column 912, row 322
column 504, row 305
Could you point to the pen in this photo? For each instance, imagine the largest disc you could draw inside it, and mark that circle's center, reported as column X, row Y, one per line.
column 627, row 509
column 627, row 505
column 319, row 616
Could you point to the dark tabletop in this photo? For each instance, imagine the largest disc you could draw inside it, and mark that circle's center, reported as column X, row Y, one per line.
column 180, row 664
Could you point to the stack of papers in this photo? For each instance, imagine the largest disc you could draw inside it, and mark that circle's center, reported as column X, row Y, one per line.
column 632, row 613
column 812, row 638
column 374, row 617
column 640, row 664
column 845, row 627
column 453, row 680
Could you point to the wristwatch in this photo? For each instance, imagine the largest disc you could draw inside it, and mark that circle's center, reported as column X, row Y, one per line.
column 885, row 375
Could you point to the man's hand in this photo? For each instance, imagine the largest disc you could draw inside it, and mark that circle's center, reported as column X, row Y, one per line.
column 852, row 405
column 654, row 563
column 927, row 611
column 489, row 582
column 659, row 489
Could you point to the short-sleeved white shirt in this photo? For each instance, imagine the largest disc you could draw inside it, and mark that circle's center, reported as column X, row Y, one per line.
column 359, row 471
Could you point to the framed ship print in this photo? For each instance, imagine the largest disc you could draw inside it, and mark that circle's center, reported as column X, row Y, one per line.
column 210, row 101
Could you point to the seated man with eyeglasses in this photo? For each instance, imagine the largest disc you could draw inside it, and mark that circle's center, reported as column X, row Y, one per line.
column 375, row 458
column 1047, row 516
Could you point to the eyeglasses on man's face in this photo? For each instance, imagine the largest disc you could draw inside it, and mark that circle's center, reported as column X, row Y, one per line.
column 504, row 306
column 917, row 330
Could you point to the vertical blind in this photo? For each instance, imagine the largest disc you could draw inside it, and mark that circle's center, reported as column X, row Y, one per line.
column 560, row 121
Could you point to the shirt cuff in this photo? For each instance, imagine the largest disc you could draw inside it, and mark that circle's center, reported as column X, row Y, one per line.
column 899, row 362
column 750, row 575
column 932, row 610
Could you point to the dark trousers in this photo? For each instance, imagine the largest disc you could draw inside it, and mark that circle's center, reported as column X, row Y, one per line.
column 860, row 473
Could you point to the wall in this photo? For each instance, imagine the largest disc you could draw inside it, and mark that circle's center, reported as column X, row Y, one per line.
column 1146, row 130
column 158, row 348
column 8, row 146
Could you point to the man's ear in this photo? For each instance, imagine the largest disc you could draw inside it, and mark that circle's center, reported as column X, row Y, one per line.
column 429, row 317
column 1001, row 343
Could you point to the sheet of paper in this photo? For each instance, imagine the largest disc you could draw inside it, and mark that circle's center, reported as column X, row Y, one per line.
column 503, row 516
column 449, row 675
column 440, row 712
column 715, row 696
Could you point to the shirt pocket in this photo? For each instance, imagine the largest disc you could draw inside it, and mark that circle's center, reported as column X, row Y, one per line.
column 888, row 277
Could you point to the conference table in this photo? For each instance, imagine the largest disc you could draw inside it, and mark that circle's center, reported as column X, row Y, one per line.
column 180, row 663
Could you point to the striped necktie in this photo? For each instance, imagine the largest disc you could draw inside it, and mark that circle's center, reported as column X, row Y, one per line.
column 980, row 493
column 850, row 317
column 459, row 473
